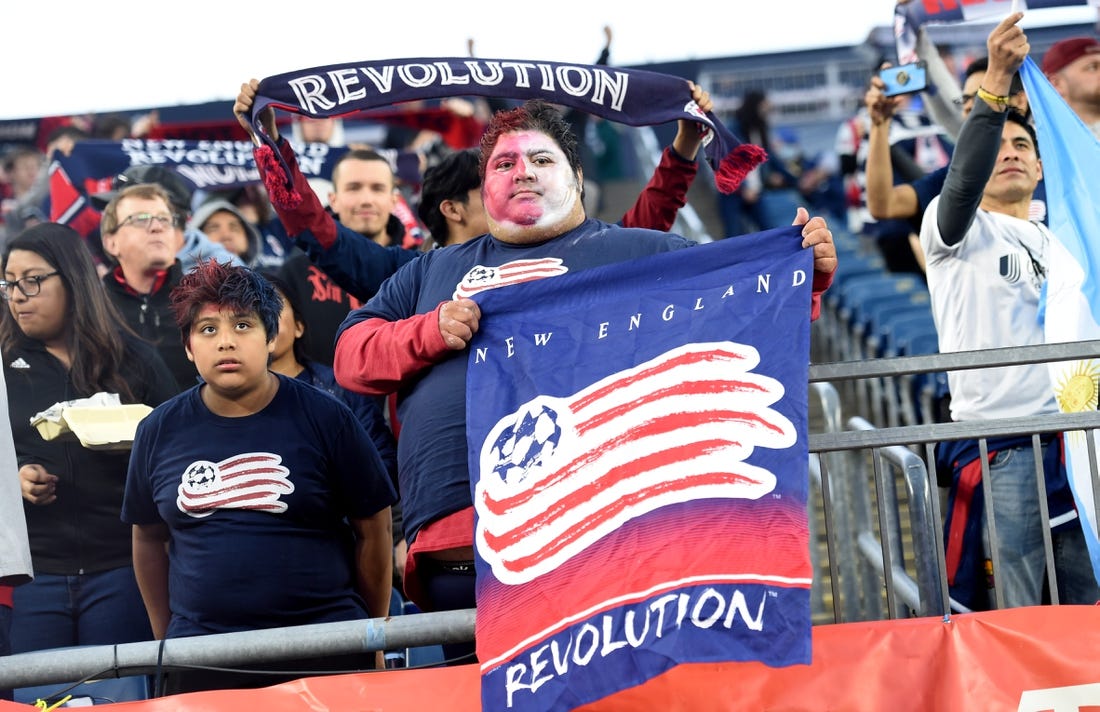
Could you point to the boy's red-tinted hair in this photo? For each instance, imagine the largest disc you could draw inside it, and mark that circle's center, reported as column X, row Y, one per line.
column 228, row 287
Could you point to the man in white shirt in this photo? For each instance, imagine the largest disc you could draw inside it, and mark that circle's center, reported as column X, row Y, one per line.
column 986, row 265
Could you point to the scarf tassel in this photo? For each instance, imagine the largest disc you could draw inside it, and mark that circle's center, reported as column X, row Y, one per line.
column 736, row 165
column 279, row 188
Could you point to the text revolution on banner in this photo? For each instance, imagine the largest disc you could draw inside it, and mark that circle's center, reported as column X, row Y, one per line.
column 639, row 469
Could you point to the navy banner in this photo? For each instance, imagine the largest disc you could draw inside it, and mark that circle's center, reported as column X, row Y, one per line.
column 206, row 165
column 910, row 15
column 638, row 459
column 628, row 96
column 922, row 11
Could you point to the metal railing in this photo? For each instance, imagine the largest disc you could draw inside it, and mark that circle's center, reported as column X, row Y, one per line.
column 871, row 570
column 230, row 649
column 866, row 559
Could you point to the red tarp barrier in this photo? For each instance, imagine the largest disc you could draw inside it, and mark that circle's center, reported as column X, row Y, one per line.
column 1000, row 660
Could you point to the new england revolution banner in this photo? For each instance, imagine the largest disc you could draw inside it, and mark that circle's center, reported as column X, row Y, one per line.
column 206, row 165
column 638, row 459
column 633, row 97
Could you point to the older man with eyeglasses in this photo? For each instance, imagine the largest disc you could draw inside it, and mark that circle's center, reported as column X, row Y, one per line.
column 197, row 247
column 139, row 231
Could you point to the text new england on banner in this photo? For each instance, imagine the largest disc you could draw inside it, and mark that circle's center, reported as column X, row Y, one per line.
column 638, row 459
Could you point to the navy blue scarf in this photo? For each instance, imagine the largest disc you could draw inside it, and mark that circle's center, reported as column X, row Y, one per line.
column 628, row 96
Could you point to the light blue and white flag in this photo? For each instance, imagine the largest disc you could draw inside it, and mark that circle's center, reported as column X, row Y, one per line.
column 1071, row 171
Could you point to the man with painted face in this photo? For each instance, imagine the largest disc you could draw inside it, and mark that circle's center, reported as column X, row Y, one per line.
column 360, row 266
column 412, row 336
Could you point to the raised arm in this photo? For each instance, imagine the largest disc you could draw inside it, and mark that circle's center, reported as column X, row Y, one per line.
column 884, row 199
column 980, row 137
column 242, row 107
column 666, row 192
column 358, row 265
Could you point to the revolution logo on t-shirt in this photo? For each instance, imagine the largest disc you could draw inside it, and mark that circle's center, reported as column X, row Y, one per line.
column 254, row 480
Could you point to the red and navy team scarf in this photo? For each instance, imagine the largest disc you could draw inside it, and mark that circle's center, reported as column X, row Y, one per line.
column 628, row 96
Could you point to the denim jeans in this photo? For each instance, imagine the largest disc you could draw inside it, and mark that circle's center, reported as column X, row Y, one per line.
column 450, row 591
column 55, row 611
column 1019, row 530
column 5, row 642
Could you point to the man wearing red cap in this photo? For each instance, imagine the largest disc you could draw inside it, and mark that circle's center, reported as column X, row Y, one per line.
column 1073, row 67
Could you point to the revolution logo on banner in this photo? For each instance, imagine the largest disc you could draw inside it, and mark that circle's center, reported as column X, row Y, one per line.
column 638, row 457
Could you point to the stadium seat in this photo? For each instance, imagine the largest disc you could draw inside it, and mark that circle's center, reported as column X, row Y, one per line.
column 879, row 317
column 916, row 336
column 858, row 295
column 778, row 207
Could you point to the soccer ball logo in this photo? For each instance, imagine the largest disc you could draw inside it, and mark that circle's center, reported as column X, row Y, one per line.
column 692, row 108
column 526, row 445
column 201, row 475
column 480, row 275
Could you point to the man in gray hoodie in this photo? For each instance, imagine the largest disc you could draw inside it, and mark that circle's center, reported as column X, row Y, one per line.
column 224, row 224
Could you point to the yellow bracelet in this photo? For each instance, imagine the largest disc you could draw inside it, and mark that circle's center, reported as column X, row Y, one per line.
column 993, row 98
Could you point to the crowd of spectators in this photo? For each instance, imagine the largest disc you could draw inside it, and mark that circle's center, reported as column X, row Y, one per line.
column 141, row 308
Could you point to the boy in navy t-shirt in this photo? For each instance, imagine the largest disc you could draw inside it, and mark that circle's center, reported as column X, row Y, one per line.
column 271, row 496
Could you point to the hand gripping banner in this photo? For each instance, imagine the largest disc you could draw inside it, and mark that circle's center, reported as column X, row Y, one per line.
column 638, row 457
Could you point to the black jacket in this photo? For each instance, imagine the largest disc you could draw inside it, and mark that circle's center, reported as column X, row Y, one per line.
column 80, row 532
column 323, row 305
column 150, row 315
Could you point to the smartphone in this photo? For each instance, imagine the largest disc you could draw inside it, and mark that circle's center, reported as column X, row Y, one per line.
column 905, row 79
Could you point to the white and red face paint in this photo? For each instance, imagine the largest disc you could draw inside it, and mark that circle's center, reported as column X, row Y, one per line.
column 530, row 191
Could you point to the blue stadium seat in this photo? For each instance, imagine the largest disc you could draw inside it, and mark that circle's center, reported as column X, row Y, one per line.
column 778, row 207
column 858, row 295
column 910, row 335
column 883, row 399
column 856, row 262
column 921, row 343
column 880, row 316
column 862, row 304
column 916, row 336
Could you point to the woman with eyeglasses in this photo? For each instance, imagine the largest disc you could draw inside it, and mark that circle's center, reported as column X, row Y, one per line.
column 62, row 339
